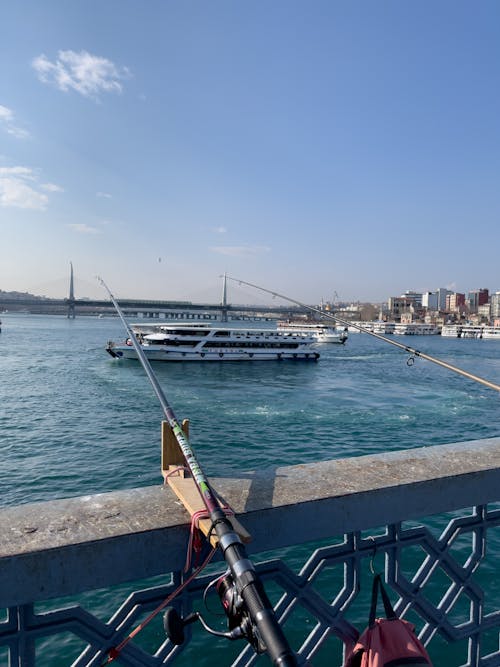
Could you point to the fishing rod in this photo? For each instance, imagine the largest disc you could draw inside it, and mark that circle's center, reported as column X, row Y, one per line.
column 414, row 353
column 245, row 602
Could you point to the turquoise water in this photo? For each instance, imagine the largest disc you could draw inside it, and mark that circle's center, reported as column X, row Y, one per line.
column 74, row 421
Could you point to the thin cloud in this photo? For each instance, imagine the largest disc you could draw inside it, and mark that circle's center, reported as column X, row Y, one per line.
column 19, row 188
column 22, row 172
column 81, row 228
column 104, row 195
column 8, row 124
column 16, row 193
column 51, row 187
column 83, row 72
column 241, row 251
column 219, row 230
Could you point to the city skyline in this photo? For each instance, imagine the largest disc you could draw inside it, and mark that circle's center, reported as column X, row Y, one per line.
column 409, row 293
column 318, row 149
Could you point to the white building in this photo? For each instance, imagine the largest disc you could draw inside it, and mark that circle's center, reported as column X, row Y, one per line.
column 495, row 305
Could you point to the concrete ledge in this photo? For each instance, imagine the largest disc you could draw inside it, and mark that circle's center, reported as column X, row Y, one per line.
column 64, row 547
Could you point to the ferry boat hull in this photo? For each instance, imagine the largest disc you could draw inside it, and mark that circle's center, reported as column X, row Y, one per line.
column 126, row 352
column 201, row 343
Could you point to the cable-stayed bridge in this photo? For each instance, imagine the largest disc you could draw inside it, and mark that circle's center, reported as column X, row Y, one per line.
column 161, row 309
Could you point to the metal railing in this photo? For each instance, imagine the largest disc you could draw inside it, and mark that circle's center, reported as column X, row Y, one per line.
column 77, row 575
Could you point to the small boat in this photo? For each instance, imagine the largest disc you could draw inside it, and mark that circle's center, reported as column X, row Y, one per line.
column 322, row 333
column 204, row 343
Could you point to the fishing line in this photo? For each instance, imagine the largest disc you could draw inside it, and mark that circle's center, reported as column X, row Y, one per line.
column 411, row 351
column 255, row 620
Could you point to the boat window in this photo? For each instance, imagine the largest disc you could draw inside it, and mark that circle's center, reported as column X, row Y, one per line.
column 249, row 345
column 187, row 332
column 181, row 343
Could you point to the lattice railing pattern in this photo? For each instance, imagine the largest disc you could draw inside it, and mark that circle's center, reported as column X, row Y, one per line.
column 440, row 579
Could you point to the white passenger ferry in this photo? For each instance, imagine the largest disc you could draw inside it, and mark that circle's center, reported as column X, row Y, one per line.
column 382, row 327
column 472, row 331
column 321, row 332
column 198, row 342
column 451, row 330
column 358, row 325
column 416, row 329
column 491, row 333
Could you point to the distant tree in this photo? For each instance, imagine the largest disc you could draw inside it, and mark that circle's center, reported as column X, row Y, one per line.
column 369, row 312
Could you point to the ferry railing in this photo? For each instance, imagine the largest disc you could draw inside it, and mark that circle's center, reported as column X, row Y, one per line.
column 77, row 575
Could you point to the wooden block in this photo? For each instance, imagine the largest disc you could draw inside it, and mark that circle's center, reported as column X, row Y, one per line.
column 171, row 453
column 187, row 492
column 184, row 486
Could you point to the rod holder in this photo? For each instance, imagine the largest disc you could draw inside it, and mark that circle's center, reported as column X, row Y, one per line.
column 178, row 478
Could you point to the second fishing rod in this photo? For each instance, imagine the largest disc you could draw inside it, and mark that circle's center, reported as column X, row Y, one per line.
column 256, row 619
column 411, row 351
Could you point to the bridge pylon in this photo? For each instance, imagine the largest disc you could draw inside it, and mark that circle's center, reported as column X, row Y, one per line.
column 71, row 299
column 224, row 317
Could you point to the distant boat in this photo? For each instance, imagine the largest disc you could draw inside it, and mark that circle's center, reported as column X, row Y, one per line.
column 197, row 342
column 358, row 326
column 469, row 331
column 382, row 327
column 491, row 333
column 416, row 329
column 451, row 331
column 472, row 331
column 322, row 333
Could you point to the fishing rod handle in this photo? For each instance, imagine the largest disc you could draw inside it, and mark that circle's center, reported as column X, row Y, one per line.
column 262, row 613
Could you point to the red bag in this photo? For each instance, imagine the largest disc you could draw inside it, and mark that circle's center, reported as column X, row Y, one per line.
column 387, row 642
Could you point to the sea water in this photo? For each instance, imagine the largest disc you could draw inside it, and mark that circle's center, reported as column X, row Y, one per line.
column 74, row 421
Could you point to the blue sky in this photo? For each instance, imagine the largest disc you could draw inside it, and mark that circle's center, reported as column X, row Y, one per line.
column 314, row 147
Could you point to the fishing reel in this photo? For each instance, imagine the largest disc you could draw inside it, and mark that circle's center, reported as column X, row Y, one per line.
column 240, row 625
